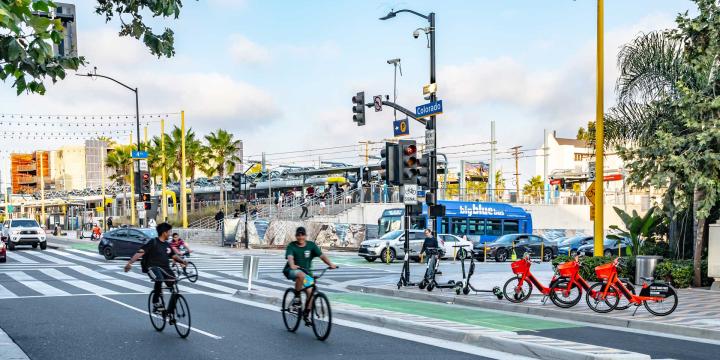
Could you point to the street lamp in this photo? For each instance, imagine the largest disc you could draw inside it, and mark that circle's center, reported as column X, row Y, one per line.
column 94, row 74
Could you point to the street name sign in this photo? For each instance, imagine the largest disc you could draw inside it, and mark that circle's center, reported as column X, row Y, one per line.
column 139, row 154
column 410, row 194
column 401, row 127
column 377, row 101
column 432, row 108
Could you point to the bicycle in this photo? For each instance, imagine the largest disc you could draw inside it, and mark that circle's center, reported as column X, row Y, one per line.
column 610, row 289
column 525, row 280
column 293, row 307
column 189, row 270
column 177, row 311
column 570, row 285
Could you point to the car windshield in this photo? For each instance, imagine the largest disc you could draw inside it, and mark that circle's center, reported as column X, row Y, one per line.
column 24, row 223
column 151, row 233
column 571, row 240
column 505, row 239
column 392, row 235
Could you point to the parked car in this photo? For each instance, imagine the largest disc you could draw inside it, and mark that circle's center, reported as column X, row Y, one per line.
column 23, row 232
column 3, row 252
column 124, row 242
column 569, row 246
column 610, row 247
column 501, row 249
column 375, row 248
column 450, row 244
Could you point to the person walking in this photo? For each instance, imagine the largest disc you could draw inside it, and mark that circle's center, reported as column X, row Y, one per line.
column 109, row 223
column 304, row 208
column 219, row 217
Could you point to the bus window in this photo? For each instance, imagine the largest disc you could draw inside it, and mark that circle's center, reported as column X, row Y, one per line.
column 510, row 227
column 476, row 227
column 459, row 226
column 494, row 227
column 444, row 225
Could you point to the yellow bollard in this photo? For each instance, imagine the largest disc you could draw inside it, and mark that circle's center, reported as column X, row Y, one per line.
column 513, row 256
column 542, row 251
column 484, row 252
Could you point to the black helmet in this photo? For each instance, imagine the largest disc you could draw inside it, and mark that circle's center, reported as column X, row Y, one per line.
column 300, row 231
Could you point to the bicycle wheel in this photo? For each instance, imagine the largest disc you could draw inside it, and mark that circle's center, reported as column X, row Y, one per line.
column 516, row 293
column 291, row 310
column 664, row 307
column 321, row 316
column 563, row 297
column 181, row 313
column 624, row 303
column 157, row 319
column 599, row 303
column 190, row 271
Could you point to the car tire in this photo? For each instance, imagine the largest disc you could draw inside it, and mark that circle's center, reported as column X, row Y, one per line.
column 384, row 255
column 573, row 253
column 608, row 253
column 108, row 253
column 43, row 245
column 547, row 255
column 370, row 259
column 11, row 245
column 34, row 246
column 501, row 255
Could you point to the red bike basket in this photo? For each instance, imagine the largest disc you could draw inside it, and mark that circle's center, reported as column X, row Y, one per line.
column 568, row 269
column 604, row 272
column 520, row 267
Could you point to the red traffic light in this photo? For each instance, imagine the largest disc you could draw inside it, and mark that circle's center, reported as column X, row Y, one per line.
column 410, row 150
column 146, row 176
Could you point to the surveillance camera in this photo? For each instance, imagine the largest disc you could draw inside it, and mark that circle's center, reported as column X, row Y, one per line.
column 416, row 33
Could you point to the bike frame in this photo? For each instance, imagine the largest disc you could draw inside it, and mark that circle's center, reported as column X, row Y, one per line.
column 528, row 276
column 615, row 282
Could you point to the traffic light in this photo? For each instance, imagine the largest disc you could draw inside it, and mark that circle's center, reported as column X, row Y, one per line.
column 146, row 200
column 237, row 183
column 408, row 162
column 389, row 164
column 145, row 185
column 359, row 108
column 423, row 171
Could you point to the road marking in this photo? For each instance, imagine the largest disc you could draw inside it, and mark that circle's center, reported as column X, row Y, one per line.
column 13, row 255
column 6, row 294
column 35, row 284
column 210, row 335
column 49, row 258
column 92, row 288
column 74, row 257
column 86, row 253
column 111, row 280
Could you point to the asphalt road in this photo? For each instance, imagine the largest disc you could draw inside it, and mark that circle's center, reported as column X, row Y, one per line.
column 94, row 327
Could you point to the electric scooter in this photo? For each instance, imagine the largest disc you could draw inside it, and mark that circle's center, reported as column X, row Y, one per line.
column 428, row 282
column 465, row 286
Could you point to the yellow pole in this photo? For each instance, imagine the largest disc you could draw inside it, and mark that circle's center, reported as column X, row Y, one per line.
column 102, row 184
column 42, row 190
column 599, row 137
column 183, row 197
column 132, row 187
column 163, row 201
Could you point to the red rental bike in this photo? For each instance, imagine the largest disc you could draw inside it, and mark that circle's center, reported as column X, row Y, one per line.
column 659, row 298
column 570, row 284
column 519, row 287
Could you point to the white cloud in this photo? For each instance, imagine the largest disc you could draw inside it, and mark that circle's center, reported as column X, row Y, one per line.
column 243, row 50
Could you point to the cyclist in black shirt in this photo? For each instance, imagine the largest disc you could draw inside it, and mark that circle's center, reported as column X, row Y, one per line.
column 156, row 255
column 429, row 243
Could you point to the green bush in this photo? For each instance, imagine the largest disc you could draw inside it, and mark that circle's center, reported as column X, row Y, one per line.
column 680, row 273
column 652, row 247
column 587, row 270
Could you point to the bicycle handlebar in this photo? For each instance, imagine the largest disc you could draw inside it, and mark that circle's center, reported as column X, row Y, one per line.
column 321, row 272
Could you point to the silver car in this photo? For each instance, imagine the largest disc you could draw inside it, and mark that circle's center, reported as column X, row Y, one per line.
column 378, row 248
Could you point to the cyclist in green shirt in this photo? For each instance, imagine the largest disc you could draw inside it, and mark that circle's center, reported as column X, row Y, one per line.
column 300, row 254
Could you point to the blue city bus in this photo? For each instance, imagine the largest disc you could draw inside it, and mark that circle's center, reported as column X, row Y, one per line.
column 479, row 221
column 482, row 222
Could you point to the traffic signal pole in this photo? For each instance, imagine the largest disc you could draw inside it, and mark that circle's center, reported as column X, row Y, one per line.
column 431, row 125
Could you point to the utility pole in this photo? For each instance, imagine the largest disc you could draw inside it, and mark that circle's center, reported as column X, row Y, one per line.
column 163, row 196
column 599, row 136
column 42, row 190
column 546, row 180
column 491, row 175
column 516, row 154
column 183, row 194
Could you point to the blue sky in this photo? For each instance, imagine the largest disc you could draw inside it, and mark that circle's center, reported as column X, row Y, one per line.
column 280, row 74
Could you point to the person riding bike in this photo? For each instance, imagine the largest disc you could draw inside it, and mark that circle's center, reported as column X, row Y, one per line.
column 156, row 255
column 176, row 244
column 300, row 254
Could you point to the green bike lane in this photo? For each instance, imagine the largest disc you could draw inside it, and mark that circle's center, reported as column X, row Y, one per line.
column 653, row 344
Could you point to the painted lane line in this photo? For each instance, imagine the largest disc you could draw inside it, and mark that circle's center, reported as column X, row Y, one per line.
column 210, row 335
column 92, row 288
column 19, row 258
column 86, row 253
column 52, row 259
column 111, row 280
column 74, row 257
column 146, row 279
column 34, row 284
column 6, row 294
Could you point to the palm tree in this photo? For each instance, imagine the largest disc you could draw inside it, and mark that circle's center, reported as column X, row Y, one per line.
column 221, row 153
column 534, row 187
column 119, row 159
column 499, row 184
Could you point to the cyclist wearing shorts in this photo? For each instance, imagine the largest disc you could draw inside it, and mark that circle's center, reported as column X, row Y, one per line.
column 300, row 254
column 176, row 243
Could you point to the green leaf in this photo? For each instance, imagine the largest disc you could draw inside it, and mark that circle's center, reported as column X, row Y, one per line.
column 40, row 5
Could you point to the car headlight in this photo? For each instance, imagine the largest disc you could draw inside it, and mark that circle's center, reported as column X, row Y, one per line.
column 16, row 232
column 375, row 245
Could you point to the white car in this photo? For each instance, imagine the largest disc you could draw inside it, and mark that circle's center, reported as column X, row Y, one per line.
column 23, row 232
column 451, row 244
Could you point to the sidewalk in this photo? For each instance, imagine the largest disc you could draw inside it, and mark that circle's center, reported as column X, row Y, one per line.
column 697, row 314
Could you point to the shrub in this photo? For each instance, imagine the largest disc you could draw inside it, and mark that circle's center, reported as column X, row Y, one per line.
column 650, row 247
column 680, row 272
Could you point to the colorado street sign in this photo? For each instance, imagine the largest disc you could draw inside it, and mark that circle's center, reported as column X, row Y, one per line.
column 432, row 108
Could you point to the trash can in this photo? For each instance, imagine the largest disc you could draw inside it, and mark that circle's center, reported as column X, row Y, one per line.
column 645, row 266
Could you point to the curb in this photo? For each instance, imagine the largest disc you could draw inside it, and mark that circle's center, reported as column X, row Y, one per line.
column 9, row 350
column 546, row 312
column 505, row 345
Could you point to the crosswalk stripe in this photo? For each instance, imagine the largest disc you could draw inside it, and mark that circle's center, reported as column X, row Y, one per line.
column 146, row 279
column 111, row 280
column 92, row 288
column 86, row 253
column 5, row 293
column 14, row 256
column 74, row 257
column 52, row 259
column 34, row 284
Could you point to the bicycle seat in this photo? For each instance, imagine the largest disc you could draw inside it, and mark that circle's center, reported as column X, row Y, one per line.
column 648, row 279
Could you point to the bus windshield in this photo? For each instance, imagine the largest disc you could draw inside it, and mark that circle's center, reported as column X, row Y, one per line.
column 392, row 235
column 389, row 223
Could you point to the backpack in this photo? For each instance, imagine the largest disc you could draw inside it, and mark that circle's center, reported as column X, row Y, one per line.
column 145, row 261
